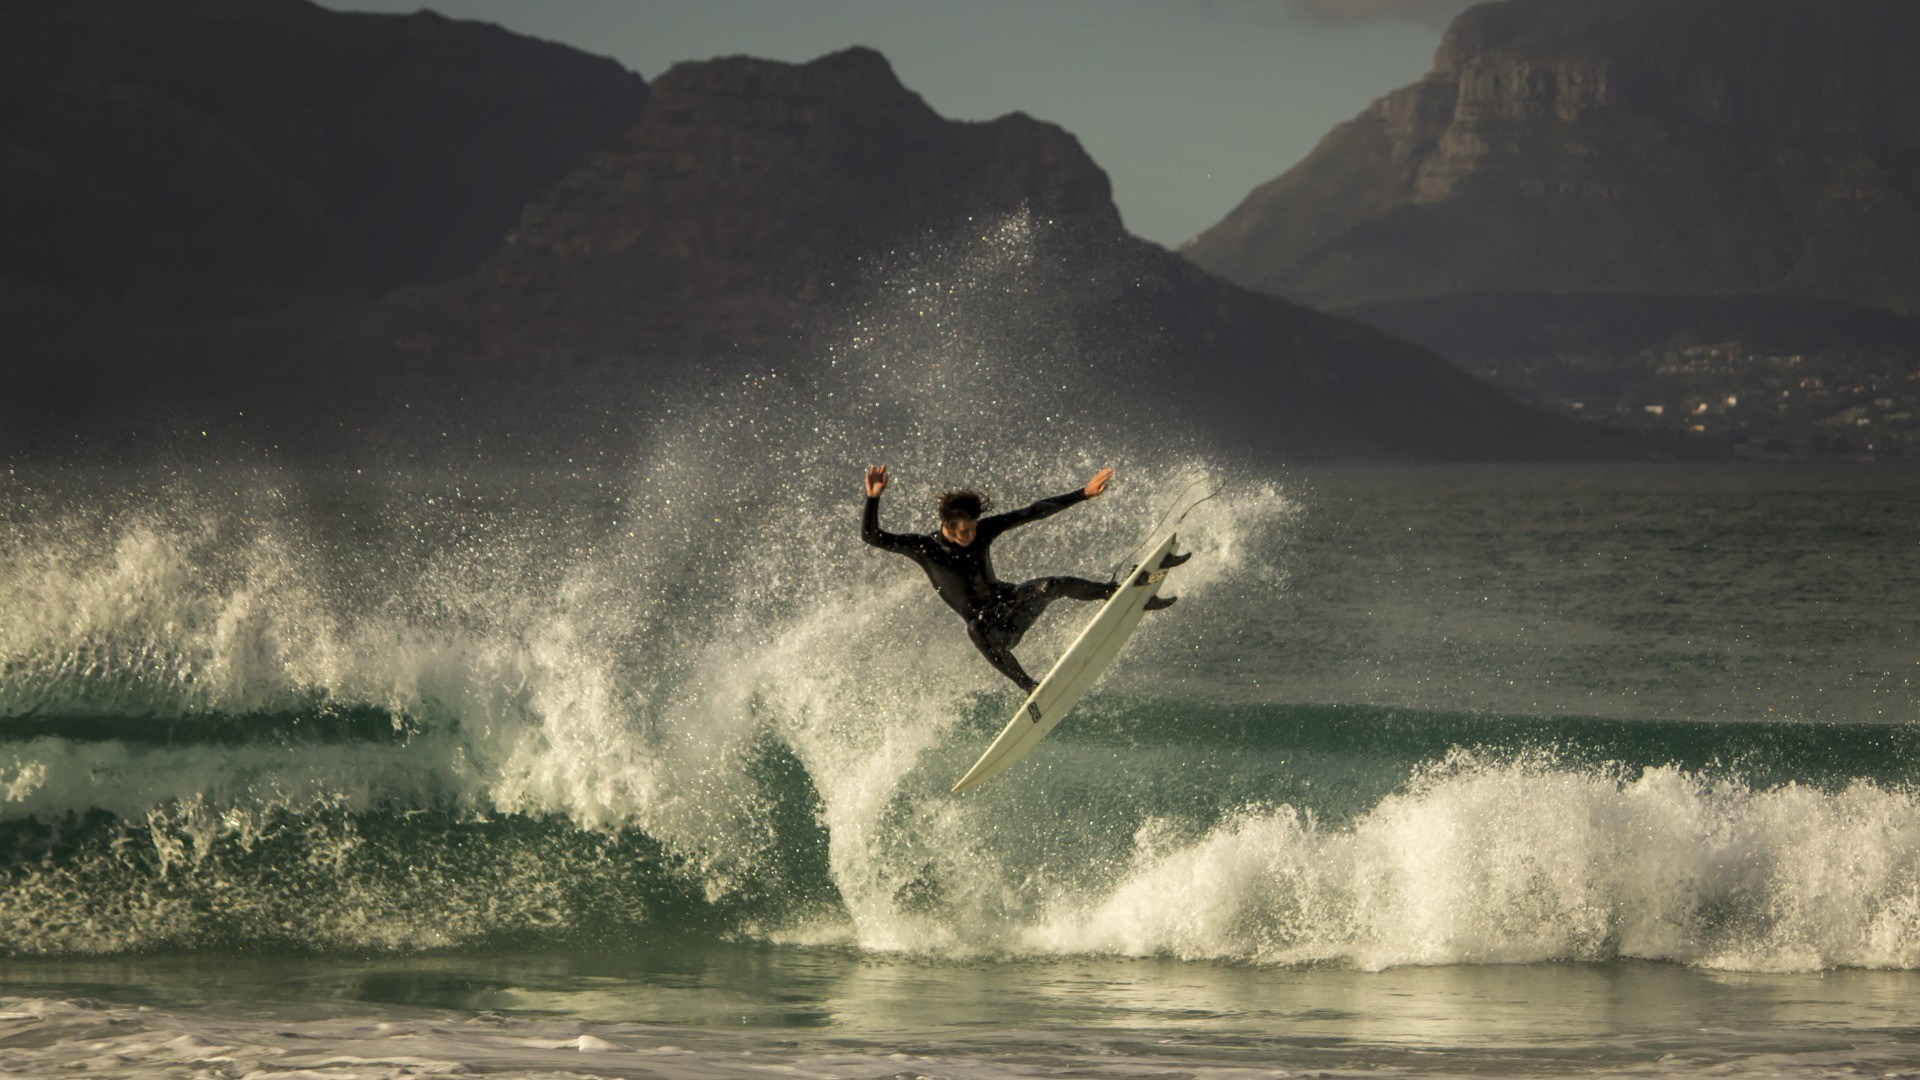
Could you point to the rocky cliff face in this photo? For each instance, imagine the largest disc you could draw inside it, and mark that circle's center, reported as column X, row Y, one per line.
column 750, row 192
column 1678, row 146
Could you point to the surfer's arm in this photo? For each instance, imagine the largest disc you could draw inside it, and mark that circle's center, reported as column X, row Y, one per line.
column 872, row 533
column 999, row 523
column 870, row 529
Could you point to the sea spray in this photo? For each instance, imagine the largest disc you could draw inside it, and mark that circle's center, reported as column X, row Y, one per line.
column 240, row 697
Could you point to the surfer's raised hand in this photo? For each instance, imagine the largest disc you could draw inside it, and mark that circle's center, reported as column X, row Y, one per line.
column 1098, row 484
column 877, row 480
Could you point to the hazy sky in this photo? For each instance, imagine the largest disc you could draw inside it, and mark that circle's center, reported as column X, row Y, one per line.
column 1187, row 104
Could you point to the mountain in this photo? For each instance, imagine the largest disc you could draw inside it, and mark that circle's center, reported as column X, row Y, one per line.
column 1584, row 200
column 339, row 226
column 1697, row 147
column 771, row 215
column 726, row 219
column 220, row 155
column 193, row 184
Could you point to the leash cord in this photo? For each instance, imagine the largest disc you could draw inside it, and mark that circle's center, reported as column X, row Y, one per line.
column 1114, row 573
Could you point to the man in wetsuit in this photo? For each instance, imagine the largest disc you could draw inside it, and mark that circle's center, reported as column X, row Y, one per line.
column 958, row 563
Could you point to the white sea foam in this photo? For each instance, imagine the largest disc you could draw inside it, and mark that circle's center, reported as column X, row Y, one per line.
column 1521, row 862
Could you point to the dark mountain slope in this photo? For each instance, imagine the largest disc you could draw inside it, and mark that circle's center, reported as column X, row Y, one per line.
column 211, row 156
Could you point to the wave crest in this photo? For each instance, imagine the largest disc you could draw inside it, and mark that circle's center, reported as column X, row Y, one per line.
column 1527, row 861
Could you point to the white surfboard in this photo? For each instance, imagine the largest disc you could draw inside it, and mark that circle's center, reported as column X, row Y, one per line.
column 1076, row 671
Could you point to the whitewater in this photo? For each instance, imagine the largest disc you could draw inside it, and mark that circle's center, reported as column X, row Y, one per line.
column 638, row 764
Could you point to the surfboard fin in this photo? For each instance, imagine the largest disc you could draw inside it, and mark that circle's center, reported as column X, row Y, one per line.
column 1167, row 562
column 1159, row 603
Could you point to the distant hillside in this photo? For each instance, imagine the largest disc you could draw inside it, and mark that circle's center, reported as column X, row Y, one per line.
column 1492, row 329
column 1784, row 378
column 211, row 156
column 186, row 187
column 1693, row 147
column 328, row 230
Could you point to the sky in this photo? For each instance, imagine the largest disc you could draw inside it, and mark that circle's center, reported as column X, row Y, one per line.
column 1187, row 104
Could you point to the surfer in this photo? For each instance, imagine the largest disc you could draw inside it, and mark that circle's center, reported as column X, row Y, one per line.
column 958, row 563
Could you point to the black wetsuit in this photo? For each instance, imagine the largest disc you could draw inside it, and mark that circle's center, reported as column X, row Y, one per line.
column 998, row 614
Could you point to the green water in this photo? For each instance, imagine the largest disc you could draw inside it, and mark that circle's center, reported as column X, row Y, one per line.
column 1433, row 771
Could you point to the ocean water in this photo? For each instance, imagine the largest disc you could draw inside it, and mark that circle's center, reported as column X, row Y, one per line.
column 1434, row 770
column 637, row 764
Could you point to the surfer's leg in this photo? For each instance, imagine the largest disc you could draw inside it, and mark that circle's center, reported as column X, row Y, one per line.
column 1079, row 588
column 997, row 646
column 1030, row 598
column 1082, row 589
column 999, row 628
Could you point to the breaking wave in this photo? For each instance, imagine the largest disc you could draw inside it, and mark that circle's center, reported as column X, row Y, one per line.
column 671, row 692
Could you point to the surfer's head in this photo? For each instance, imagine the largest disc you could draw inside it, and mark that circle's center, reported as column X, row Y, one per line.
column 960, row 514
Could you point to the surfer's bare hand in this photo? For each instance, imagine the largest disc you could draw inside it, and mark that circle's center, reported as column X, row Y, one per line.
column 876, row 480
column 1098, row 484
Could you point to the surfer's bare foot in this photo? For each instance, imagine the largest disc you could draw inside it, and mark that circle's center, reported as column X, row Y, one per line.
column 1173, row 560
column 1159, row 603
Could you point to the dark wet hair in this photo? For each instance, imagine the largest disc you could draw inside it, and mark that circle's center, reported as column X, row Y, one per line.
column 962, row 504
